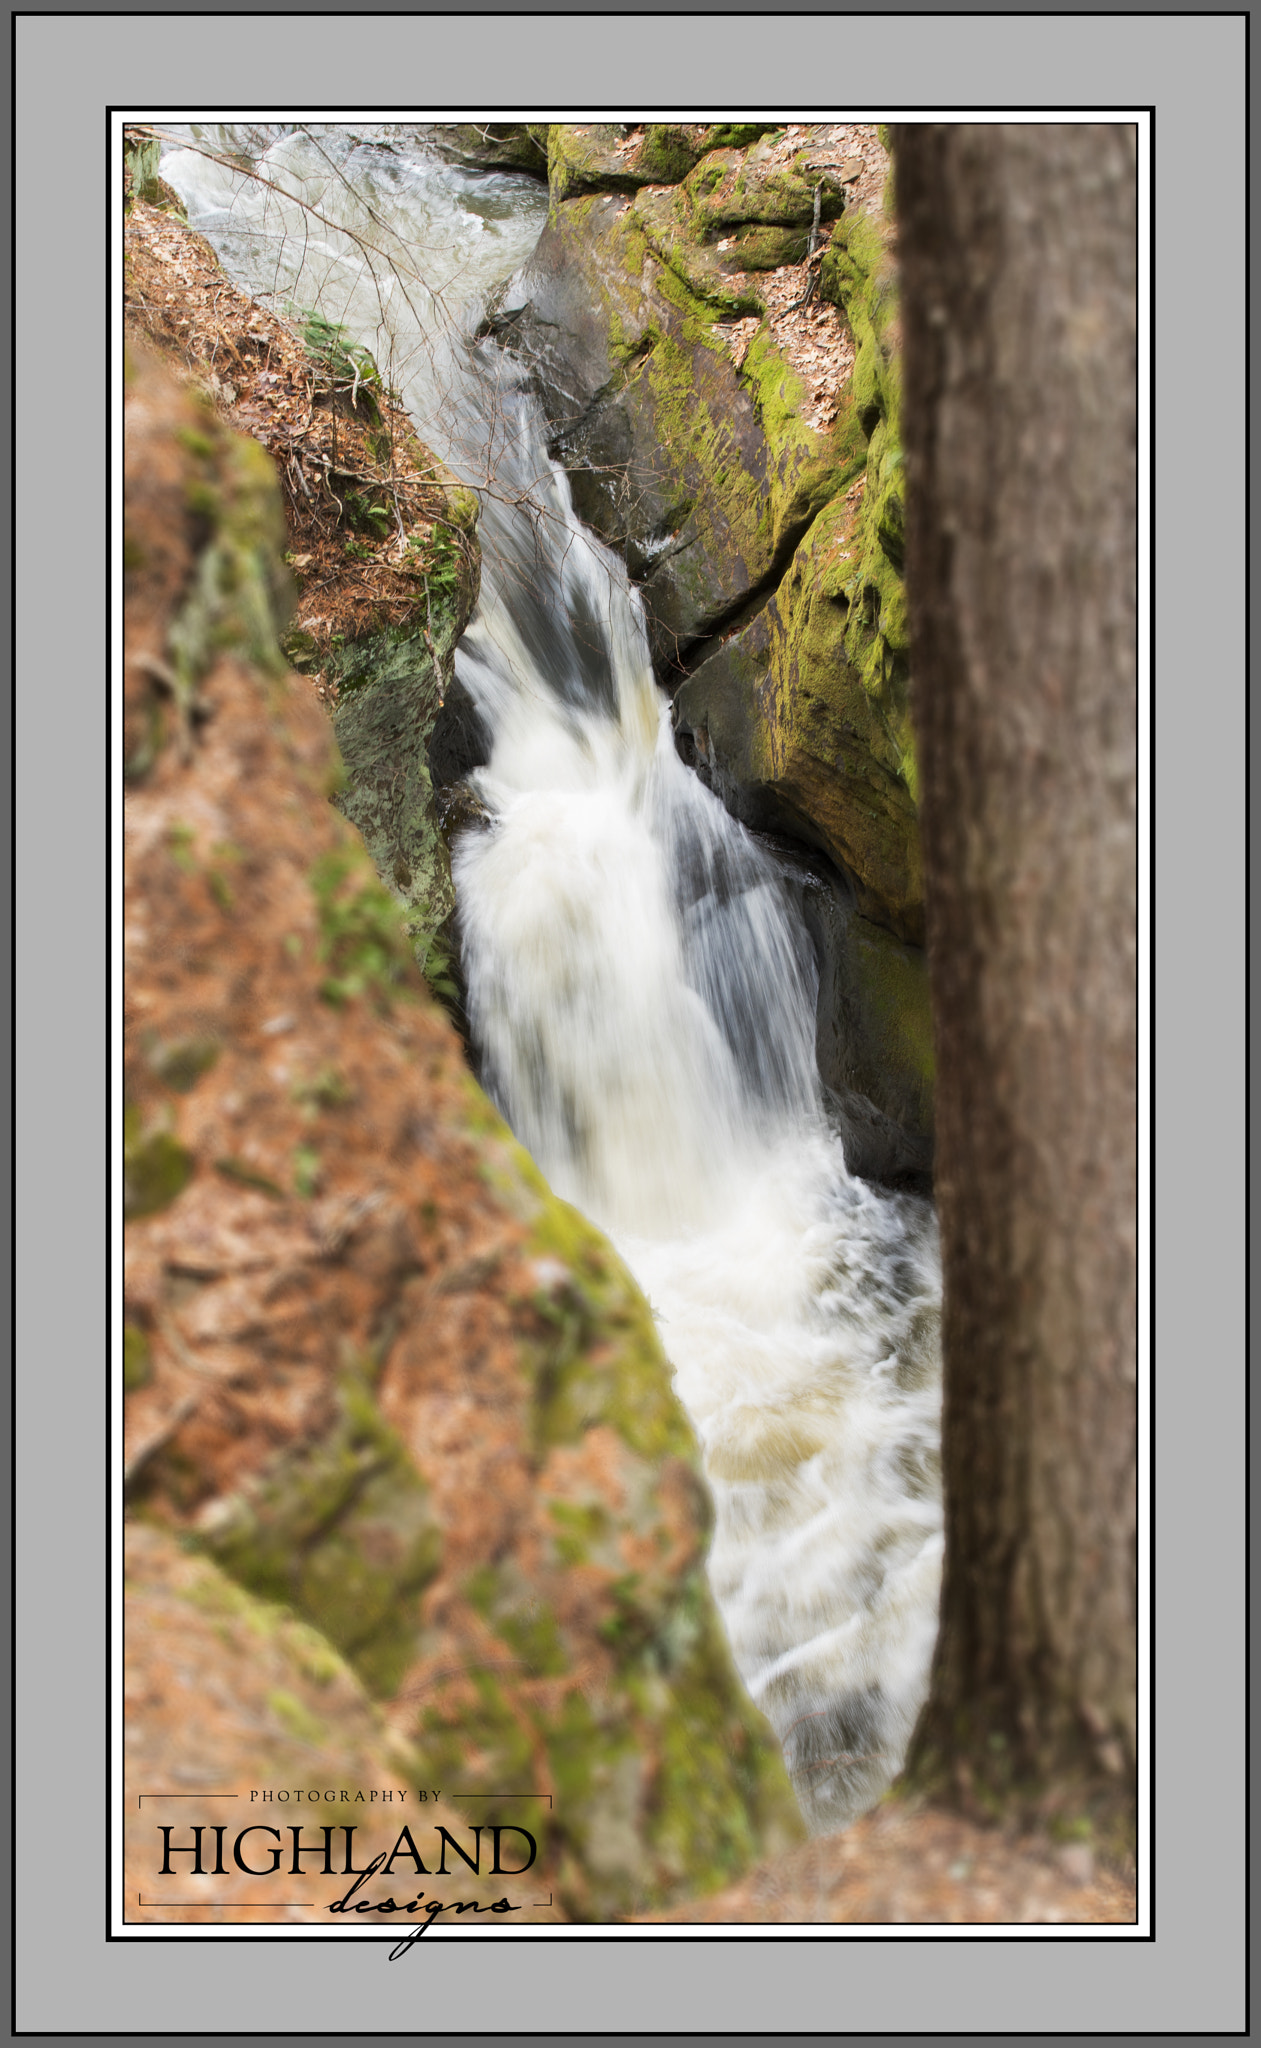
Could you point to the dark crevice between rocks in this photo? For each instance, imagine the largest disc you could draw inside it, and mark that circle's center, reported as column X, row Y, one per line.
column 688, row 657
column 888, row 1140
column 517, row 331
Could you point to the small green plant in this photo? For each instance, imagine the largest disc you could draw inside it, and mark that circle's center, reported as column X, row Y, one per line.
column 437, row 560
column 347, row 365
column 362, row 941
column 370, row 517
column 437, row 966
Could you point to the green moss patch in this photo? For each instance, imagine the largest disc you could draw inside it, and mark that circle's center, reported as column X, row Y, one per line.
column 156, row 1167
column 667, row 1782
column 601, row 1361
column 858, row 274
column 340, row 1531
column 137, row 1361
column 363, row 943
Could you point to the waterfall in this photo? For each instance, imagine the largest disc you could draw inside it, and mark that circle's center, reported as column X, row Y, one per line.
column 641, row 992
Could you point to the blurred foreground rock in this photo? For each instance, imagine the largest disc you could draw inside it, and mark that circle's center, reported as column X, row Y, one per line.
column 411, row 1500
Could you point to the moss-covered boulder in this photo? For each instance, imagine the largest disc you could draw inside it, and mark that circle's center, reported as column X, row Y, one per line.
column 799, row 738
column 713, row 273
column 601, row 157
column 339, row 1529
column 589, row 158
column 733, row 188
column 391, row 691
column 388, row 685
column 495, row 145
column 700, row 468
column 584, row 1651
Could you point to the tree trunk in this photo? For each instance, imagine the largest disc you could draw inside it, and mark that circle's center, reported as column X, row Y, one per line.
column 1018, row 254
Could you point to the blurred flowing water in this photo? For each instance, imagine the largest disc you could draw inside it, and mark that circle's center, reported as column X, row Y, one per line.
column 639, row 985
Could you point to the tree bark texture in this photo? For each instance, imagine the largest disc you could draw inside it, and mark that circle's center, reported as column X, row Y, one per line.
column 1018, row 255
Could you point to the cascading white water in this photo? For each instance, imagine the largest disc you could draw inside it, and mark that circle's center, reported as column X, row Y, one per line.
column 644, row 1000
column 642, row 994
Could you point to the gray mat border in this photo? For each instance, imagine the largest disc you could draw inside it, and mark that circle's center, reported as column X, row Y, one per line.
column 1192, row 69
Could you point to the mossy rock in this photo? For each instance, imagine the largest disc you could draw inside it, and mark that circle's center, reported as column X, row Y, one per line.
column 390, row 697
column 599, row 1306
column 705, row 270
column 340, row 1531
column 586, row 159
column 732, row 188
column 767, row 248
column 391, row 688
column 285, row 1708
column 704, row 473
column 667, row 153
column 496, row 145
column 874, row 1035
column 795, row 737
column 891, row 984
column 666, row 1780
column 737, row 134
column 589, row 157
column 667, row 1783
column 858, row 273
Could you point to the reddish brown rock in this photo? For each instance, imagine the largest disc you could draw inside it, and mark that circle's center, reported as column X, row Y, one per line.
column 377, row 1372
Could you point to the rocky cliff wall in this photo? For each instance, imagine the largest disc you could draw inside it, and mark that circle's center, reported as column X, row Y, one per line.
column 756, row 497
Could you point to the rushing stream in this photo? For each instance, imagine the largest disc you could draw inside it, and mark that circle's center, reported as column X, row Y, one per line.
column 641, row 990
